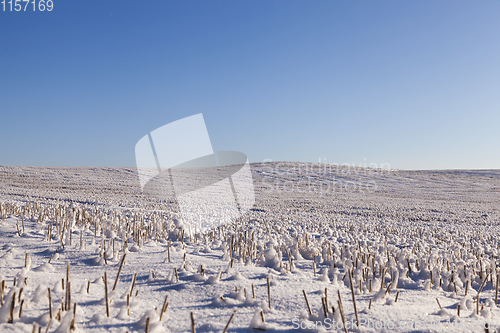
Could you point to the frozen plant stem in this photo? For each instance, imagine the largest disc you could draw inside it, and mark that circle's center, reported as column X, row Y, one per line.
column 133, row 284
column 307, row 302
column 164, row 308
column 106, row 292
column 496, row 290
column 269, row 292
column 193, row 329
column 229, row 322
column 50, row 304
column 12, row 305
column 353, row 298
column 326, row 299
column 21, row 308
column 119, row 271
column 342, row 312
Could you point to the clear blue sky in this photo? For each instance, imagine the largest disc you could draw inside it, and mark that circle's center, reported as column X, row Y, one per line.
column 412, row 83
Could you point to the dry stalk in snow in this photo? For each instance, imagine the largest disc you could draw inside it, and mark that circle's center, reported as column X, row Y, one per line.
column 164, row 307
column 119, row 271
column 193, row 329
column 106, row 292
column 353, row 297
column 229, row 322
column 269, row 293
column 307, row 302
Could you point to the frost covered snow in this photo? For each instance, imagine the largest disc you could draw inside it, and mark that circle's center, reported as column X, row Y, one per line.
column 378, row 250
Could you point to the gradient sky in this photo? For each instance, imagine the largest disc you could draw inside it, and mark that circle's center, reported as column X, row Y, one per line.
column 415, row 84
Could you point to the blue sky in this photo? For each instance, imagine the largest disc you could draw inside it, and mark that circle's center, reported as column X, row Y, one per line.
column 415, row 84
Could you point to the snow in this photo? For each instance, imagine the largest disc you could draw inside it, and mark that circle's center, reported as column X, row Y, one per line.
column 422, row 234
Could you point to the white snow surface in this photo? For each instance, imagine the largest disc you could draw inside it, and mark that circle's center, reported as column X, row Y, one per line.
column 425, row 236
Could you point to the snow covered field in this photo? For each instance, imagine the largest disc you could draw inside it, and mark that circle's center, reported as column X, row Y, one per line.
column 418, row 246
